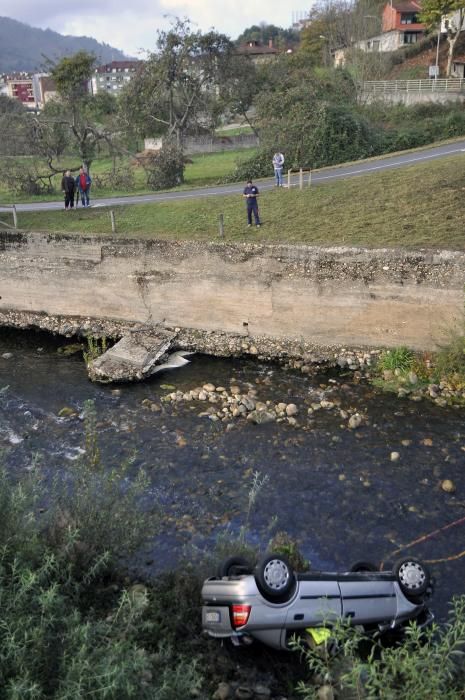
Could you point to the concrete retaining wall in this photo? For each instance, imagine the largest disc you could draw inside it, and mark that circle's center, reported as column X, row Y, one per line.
column 413, row 98
column 209, row 144
column 326, row 296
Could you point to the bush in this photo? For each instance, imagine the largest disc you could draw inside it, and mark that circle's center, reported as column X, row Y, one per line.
column 121, row 178
column 165, row 168
column 428, row 664
column 398, row 358
column 450, row 359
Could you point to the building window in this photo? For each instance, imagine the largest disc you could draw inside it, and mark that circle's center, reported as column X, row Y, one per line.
column 411, row 37
column 408, row 18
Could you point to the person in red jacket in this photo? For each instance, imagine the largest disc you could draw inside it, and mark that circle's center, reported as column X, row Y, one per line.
column 83, row 183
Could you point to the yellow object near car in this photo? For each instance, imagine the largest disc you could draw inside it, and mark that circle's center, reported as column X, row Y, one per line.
column 319, row 634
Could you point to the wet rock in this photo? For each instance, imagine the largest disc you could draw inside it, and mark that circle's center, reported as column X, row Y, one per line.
column 262, row 692
column 291, row 409
column 427, row 442
column 235, row 390
column 203, row 396
column 243, row 692
column 327, row 404
column 412, row 377
column 261, row 417
column 395, row 456
column 406, row 443
column 223, row 692
column 208, row 387
column 355, row 421
column 291, row 420
column 67, row 412
column 7, row 355
column 448, row 486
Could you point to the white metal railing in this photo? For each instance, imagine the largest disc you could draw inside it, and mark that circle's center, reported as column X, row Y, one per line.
column 431, row 85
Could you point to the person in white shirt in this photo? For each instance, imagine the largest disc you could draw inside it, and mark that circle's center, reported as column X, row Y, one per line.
column 278, row 162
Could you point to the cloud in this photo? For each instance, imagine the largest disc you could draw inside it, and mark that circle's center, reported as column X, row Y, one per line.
column 132, row 25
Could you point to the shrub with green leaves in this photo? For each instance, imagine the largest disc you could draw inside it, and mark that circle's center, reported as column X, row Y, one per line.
column 449, row 361
column 427, row 664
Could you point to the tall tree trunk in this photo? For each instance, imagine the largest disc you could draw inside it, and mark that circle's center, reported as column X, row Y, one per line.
column 452, row 39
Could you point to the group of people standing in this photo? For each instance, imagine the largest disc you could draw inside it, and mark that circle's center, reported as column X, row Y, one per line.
column 76, row 186
column 251, row 191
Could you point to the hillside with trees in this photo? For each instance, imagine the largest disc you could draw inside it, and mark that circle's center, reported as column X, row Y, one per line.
column 22, row 47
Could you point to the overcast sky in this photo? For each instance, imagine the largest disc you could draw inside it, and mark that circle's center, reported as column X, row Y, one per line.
column 131, row 25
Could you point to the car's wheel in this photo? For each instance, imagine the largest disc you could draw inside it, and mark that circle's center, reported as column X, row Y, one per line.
column 413, row 577
column 275, row 577
column 363, row 566
column 234, row 566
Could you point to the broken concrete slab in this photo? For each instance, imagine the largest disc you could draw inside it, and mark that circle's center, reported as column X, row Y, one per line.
column 133, row 358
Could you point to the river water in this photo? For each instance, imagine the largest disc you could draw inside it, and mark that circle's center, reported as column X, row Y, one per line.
column 336, row 490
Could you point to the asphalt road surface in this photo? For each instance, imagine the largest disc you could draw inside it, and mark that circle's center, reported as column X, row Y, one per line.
column 362, row 167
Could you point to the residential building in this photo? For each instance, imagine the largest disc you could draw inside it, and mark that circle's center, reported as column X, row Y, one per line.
column 20, row 87
column 400, row 27
column 112, row 77
column 44, row 89
column 258, row 52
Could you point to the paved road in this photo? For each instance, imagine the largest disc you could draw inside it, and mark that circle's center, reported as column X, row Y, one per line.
column 318, row 177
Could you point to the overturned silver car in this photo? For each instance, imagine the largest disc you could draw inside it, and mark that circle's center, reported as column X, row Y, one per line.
column 272, row 602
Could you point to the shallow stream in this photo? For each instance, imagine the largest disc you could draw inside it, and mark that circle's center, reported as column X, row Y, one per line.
column 336, row 490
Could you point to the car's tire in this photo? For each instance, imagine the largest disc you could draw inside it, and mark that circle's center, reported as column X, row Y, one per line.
column 234, row 566
column 363, row 566
column 413, row 577
column 275, row 577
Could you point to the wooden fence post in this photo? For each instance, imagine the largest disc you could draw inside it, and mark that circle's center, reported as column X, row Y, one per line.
column 112, row 219
column 221, row 225
column 301, row 179
column 289, row 179
column 309, row 178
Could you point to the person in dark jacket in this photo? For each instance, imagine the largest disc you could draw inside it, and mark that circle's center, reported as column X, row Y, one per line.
column 68, row 186
column 251, row 193
column 83, row 183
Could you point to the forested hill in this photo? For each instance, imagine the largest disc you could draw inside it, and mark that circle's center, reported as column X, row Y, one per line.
column 22, row 48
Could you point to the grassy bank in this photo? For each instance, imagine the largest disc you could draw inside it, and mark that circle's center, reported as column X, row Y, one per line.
column 417, row 206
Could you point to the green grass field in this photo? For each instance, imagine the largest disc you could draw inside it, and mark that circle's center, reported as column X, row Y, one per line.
column 205, row 169
column 417, row 206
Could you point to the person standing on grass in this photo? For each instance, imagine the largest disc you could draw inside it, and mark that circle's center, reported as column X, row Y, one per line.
column 278, row 163
column 251, row 193
column 68, row 186
column 83, row 182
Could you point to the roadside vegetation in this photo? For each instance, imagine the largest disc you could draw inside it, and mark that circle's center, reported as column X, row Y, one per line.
column 376, row 210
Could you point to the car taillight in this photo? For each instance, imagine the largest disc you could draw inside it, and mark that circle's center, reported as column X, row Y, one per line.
column 240, row 615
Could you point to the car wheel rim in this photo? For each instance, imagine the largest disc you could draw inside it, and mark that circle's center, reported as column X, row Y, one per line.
column 276, row 574
column 412, row 575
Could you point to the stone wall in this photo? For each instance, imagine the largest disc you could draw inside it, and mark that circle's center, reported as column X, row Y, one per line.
column 324, row 296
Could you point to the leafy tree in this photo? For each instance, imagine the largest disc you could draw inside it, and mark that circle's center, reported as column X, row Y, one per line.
column 264, row 32
column 177, row 89
column 80, row 113
column 432, row 13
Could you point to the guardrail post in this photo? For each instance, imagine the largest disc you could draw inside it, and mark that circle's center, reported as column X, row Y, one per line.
column 289, row 179
column 15, row 216
column 112, row 219
column 301, row 179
